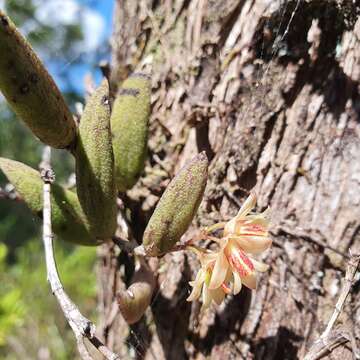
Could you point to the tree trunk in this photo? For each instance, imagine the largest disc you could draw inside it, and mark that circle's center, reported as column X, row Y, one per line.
column 270, row 90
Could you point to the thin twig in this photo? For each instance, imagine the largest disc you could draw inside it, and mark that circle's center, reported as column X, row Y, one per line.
column 349, row 278
column 81, row 326
column 326, row 345
column 330, row 338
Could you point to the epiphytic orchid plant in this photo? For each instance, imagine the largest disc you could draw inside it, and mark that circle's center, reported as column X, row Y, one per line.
column 110, row 146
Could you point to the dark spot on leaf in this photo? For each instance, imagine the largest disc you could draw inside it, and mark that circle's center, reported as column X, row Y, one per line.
column 33, row 78
column 129, row 91
column 39, row 214
column 141, row 75
column 4, row 21
column 105, row 100
column 24, row 89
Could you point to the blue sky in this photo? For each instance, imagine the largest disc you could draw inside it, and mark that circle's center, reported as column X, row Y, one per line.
column 95, row 18
column 104, row 8
column 97, row 28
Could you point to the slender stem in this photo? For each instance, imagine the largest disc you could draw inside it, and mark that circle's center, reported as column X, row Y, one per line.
column 81, row 326
column 349, row 277
column 215, row 227
column 331, row 338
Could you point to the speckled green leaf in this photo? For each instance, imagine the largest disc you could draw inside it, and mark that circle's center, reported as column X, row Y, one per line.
column 129, row 125
column 177, row 207
column 95, row 165
column 30, row 90
column 66, row 214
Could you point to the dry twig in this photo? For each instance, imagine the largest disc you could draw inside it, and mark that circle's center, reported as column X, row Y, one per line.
column 330, row 338
column 81, row 326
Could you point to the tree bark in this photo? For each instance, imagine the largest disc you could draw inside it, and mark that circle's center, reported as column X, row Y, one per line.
column 270, row 90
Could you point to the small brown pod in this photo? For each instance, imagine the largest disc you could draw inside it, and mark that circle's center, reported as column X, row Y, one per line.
column 30, row 90
column 134, row 301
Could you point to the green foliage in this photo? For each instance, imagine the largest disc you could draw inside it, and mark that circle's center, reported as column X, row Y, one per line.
column 12, row 311
column 42, row 35
column 11, row 305
column 30, row 318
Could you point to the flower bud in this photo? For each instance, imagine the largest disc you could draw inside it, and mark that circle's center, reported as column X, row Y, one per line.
column 30, row 90
column 177, row 207
column 66, row 214
column 95, row 165
column 129, row 126
column 134, row 301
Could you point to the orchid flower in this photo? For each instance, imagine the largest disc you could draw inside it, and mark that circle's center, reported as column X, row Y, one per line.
column 244, row 234
column 226, row 270
column 201, row 283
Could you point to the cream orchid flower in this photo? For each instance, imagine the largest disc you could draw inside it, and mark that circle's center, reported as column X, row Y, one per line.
column 201, row 283
column 245, row 233
column 231, row 259
column 245, row 224
column 224, row 271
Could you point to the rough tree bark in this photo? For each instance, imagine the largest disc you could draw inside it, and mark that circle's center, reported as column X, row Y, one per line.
column 270, row 90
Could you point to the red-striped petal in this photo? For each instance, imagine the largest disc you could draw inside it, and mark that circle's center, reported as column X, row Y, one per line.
column 252, row 244
column 238, row 260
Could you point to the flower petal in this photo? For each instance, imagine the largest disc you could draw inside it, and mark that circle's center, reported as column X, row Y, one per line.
column 225, row 289
column 232, row 225
column 195, row 294
column 253, row 244
column 219, row 272
column 206, row 297
column 249, row 280
column 259, row 266
column 217, row 295
column 252, row 229
column 248, row 205
column 238, row 260
column 197, row 285
column 260, row 219
column 236, row 283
